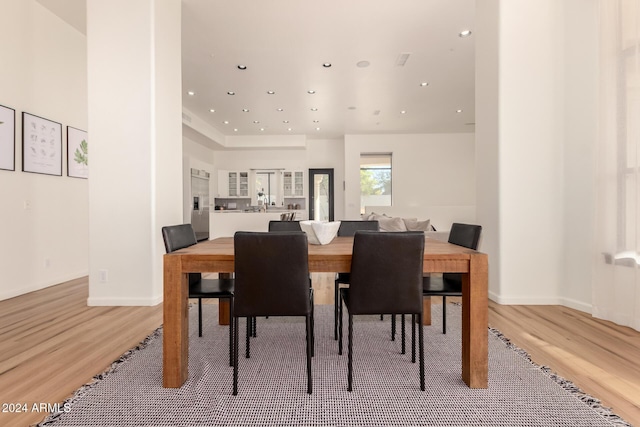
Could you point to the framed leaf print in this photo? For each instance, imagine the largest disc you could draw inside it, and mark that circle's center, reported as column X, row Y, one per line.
column 41, row 145
column 77, row 153
column 7, row 138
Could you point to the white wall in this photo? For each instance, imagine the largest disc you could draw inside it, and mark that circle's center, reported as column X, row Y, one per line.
column 43, row 72
column 134, row 80
column 433, row 176
column 580, row 118
column 539, row 133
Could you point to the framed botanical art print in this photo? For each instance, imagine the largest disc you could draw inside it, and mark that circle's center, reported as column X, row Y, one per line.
column 41, row 145
column 77, row 153
column 7, row 138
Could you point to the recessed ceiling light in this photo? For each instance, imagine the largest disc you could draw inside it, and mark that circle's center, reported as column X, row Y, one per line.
column 317, row 128
column 458, row 111
column 363, row 64
column 256, row 121
column 423, row 84
column 464, row 33
column 245, row 110
column 326, row 64
column 270, row 92
column 261, row 129
column 316, row 121
column 289, row 129
column 226, row 122
column 242, row 67
column 191, row 93
column 403, row 112
column 231, row 92
column 212, row 110
column 285, row 121
column 235, row 130
column 352, row 108
column 311, row 92
column 281, row 109
column 314, row 109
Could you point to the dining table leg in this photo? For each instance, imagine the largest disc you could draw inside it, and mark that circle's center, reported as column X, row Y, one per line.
column 175, row 339
column 224, row 304
column 426, row 311
column 475, row 321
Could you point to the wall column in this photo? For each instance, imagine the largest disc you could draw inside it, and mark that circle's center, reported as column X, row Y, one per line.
column 135, row 128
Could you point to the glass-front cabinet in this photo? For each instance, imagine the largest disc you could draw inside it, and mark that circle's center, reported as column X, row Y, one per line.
column 293, row 182
column 233, row 184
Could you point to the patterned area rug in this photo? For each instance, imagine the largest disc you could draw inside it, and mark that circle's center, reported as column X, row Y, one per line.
column 272, row 383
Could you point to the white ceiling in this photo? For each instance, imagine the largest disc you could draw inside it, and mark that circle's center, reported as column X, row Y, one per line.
column 284, row 43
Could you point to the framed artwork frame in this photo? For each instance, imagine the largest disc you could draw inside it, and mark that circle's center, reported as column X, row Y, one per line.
column 77, row 153
column 41, row 145
column 7, row 138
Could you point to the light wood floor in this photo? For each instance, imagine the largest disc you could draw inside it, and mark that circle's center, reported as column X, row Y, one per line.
column 51, row 343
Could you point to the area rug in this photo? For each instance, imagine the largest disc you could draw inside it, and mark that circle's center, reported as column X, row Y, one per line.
column 272, row 383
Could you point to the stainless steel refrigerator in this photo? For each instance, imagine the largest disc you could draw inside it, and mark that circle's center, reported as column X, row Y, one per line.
column 200, row 203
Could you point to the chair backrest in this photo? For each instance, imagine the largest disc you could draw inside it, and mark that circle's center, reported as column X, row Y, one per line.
column 271, row 274
column 284, row 226
column 349, row 227
column 177, row 237
column 386, row 272
column 466, row 235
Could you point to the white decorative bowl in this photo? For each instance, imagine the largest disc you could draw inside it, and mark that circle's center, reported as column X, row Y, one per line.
column 320, row 232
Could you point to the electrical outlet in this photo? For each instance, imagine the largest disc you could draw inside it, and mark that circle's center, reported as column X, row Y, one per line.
column 104, row 276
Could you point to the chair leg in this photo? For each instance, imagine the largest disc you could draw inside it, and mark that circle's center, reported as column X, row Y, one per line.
column 444, row 315
column 247, row 348
column 350, row 362
column 231, row 327
column 336, row 302
column 413, row 338
column 381, row 317
column 421, row 350
column 402, row 328
column 313, row 333
column 199, row 317
column 309, row 353
column 393, row 327
column 340, row 329
column 254, row 327
column 235, row 355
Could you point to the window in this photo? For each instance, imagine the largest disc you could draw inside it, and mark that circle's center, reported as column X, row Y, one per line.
column 375, row 180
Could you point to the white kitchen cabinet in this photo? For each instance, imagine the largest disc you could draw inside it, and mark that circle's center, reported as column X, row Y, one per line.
column 233, row 183
column 293, row 183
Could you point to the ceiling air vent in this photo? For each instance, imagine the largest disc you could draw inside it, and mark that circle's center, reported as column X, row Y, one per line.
column 402, row 59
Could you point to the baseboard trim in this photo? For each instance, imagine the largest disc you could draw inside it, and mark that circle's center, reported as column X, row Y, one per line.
column 12, row 293
column 118, row 302
column 565, row 302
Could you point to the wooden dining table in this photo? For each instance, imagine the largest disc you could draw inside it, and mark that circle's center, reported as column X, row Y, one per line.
column 218, row 256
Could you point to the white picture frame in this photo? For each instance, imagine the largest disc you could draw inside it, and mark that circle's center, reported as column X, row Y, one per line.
column 41, row 145
column 77, row 153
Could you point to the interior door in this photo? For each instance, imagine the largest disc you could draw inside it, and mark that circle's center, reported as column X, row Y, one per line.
column 321, row 194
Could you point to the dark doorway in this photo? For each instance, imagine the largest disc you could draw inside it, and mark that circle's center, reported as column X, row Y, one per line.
column 321, row 194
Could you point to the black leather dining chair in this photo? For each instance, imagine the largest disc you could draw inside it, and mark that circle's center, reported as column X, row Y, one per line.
column 347, row 228
column 284, row 226
column 182, row 236
column 386, row 278
column 450, row 284
column 272, row 279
